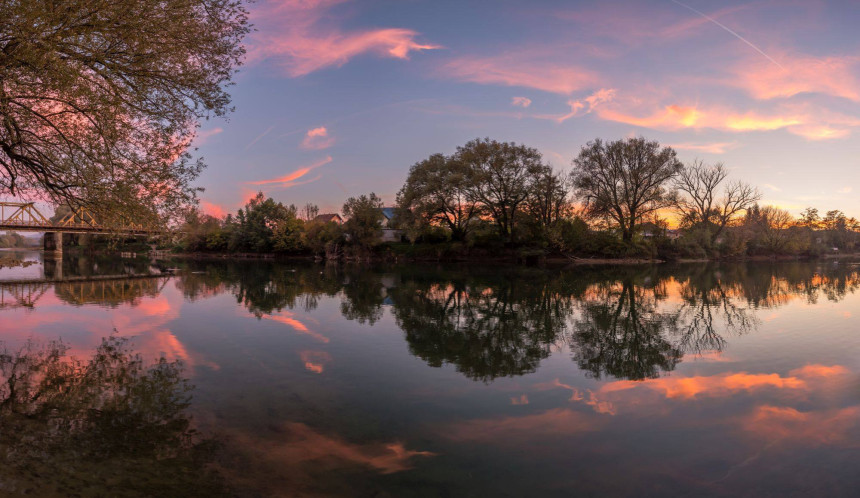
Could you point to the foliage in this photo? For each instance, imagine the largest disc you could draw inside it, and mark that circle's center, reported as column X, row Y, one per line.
column 101, row 99
column 364, row 220
column 109, row 425
column 500, row 176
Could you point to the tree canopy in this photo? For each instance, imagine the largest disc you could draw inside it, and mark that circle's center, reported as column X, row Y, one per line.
column 624, row 180
column 101, row 99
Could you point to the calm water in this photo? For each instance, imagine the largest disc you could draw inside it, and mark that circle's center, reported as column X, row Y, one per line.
column 691, row 380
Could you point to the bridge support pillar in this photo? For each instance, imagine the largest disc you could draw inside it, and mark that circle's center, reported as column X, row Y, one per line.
column 52, row 267
column 53, row 244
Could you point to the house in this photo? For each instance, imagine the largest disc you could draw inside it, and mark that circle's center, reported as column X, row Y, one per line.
column 388, row 216
column 389, row 233
column 328, row 218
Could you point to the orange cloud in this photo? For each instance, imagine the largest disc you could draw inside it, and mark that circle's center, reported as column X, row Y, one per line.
column 288, row 180
column 717, row 385
column 287, row 319
column 578, row 396
column 814, row 427
column 317, row 139
column 315, row 361
column 294, row 33
column 670, row 117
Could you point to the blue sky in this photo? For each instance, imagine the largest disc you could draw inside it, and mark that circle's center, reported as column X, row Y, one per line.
column 339, row 98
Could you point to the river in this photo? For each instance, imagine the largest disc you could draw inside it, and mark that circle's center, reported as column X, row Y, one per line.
column 262, row 378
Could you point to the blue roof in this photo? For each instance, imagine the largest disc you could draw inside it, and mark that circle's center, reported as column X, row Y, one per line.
column 388, row 212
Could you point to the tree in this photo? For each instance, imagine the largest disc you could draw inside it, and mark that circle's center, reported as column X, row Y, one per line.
column 810, row 218
column 100, row 99
column 364, row 220
column 770, row 226
column 437, row 192
column 258, row 222
column 500, row 176
column 624, row 180
column 702, row 206
column 310, row 211
column 547, row 202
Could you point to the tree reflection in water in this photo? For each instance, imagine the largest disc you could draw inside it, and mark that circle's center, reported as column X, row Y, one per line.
column 624, row 322
column 620, row 332
column 111, row 425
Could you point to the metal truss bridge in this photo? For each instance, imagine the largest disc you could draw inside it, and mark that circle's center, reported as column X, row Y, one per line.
column 24, row 217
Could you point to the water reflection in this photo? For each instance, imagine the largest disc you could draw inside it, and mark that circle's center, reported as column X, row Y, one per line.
column 74, row 427
column 688, row 380
column 629, row 323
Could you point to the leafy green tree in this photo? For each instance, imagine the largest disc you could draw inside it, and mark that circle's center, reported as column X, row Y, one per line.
column 324, row 238
column 287, row 234
column 625, row 180
column 437, row 192
column 364, row 220
column 500, row 176
column 101, row 99
column 258, row 221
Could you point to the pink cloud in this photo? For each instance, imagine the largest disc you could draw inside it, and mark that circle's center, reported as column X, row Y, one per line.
column 203, row 136
column 709, row 148
column 521, row 102
column 317, row 139
column 586, row 105
column 212, row 209
column 835, row 76
column 296, row 34
column 522, row 69
column 289, row 179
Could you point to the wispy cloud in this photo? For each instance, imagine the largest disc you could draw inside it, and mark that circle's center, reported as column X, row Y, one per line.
column 588, row 104
column 298, row 35
column 291, row 179
column 526, row 68
column 317, row 139
column 834, row 75
column 708, row 148
column 521, row 102
column 204, row 135
column 772, row 188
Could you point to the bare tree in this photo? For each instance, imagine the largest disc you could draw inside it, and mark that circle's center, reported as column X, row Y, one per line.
column 701, row 204
column 624, row 180
column 310, row 211
column 548, row 199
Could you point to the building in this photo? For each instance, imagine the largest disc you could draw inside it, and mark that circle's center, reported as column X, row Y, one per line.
column 327, row 218
column 389, row 233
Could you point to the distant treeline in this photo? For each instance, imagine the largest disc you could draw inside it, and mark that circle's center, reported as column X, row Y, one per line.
column 493, row 197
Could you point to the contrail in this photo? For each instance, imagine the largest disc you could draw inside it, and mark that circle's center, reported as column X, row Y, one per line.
column 739, row 37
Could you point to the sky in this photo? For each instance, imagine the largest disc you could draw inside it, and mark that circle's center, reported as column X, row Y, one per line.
column 339, row 98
